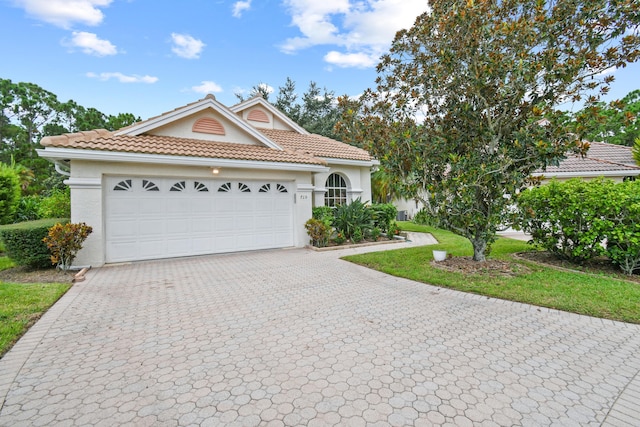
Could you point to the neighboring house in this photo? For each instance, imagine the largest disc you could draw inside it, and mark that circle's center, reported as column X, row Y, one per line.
column 203, row 179
column 611, row 161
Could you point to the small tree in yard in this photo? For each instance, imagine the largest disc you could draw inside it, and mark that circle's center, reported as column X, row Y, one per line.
column 464, row 108
column 64, row 242
column 9, row 193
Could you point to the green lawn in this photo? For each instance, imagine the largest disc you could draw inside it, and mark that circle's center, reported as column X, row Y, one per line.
column 603, row 296
column 22, row 304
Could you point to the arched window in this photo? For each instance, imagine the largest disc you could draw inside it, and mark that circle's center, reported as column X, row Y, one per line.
column 336, row 190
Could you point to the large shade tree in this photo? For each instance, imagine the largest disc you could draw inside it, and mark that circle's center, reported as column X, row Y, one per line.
column 464, row 108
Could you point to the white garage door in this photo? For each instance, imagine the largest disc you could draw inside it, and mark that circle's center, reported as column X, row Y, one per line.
column 150, row 218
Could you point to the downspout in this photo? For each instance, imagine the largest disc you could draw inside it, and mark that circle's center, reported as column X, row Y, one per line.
column 59, row 169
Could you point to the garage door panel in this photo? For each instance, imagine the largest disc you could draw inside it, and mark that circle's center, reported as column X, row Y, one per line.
column 202, row 225
column 152, row 248
column 176, row 226
column 179, row 206
column 144, row 224
column 152, row 206
column 123, row 229
column 202, row 206
column 151, row 227
column 178, row 246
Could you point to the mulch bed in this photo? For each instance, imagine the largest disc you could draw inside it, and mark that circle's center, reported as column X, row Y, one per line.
column 495, row 268
column 491, row 267
column 595, row 266
column 30, row 275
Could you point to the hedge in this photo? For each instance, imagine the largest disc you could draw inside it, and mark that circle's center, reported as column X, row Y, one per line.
column 23, row 242
column 579, row 220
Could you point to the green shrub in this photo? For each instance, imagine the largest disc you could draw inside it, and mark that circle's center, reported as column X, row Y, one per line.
column 357, row 236
column 323, row 213
column 319, row 232
column 56, row 205
column 375, row 234
column 28, row 209
column 394, row 230
column 567, row 218
column 355, row 215
column 622, row 217
column 64, row 241
column 9, row 193
column 383, row 215
column 339, row 239
column 424, row 217
column 24, row 244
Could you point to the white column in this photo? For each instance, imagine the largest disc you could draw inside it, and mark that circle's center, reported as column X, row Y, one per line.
column 303, row 211
column 86, row 206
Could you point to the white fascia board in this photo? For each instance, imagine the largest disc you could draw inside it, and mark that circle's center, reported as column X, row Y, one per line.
column 203, row 104
column 111, row 156
column 592, row 174
column 347, row 162
column 259, row 100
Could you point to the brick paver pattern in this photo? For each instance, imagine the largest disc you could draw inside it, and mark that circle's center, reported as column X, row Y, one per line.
column 296, row 337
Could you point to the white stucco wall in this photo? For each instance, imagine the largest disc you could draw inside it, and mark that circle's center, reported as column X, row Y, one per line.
column 182, row 129
column 358, row 179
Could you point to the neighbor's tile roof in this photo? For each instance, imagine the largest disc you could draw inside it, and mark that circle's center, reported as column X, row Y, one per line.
column 316, row 145
column 103, row 140
column 601, row 157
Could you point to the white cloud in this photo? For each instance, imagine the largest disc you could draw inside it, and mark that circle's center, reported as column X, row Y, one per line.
column 123, row 78
column 240, row 6
column 90, row 44
column 363, row 28
column 207, row 86
column 64, row 13
column 186, row 46
column 358, row 60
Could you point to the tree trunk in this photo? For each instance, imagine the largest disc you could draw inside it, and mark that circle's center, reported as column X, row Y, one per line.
column 479, row 249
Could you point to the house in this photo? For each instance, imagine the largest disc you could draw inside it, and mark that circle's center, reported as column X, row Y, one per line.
column 203, row 179
column 611, row 161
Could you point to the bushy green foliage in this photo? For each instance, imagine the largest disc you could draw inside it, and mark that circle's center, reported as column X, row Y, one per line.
column 323, row 213
column 578, row 220
column 64, row 241
column 383, row 215
column 28, row 208
column 424, row 217
column 56, row 205
column 566, row 218
column 355, row 215
column 375, row 234
column 357, row 236
column 623, row 226
column 24, row 244
column 9, row 193
column 319, row 231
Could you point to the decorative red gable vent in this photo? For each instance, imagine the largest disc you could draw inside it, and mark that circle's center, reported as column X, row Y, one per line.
column 258, row 116
column 208, row 125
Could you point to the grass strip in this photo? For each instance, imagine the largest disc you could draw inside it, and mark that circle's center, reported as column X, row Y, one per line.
column 21, row 305
column 601, row 296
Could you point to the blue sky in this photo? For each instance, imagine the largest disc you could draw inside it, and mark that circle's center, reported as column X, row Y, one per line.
column 146, row 57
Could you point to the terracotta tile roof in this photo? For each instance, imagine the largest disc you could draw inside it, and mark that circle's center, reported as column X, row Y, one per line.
column 103, row 140
column 619, row 154
column 316, row 145
column 601, row 157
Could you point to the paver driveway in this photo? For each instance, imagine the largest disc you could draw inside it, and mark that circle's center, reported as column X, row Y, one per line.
column 296, row 337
